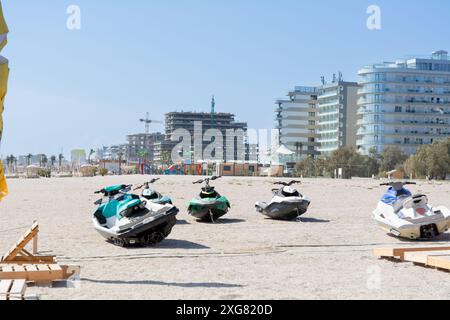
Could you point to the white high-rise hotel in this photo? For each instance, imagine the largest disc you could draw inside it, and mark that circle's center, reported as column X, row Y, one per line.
column 404, row 103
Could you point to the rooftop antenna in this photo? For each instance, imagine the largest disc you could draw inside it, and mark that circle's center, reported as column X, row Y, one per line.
column 341, row 78
column 148, row 122
column 322, row 79
column 213, row 109
column 334, row 77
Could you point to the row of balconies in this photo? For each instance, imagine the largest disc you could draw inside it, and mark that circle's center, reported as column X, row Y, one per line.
column 366, row 91
column 403, row 101
column 402, row 80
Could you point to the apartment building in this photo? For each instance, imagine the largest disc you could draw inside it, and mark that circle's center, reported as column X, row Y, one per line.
column 337, row 115
column 297, row 122
column 404, row 103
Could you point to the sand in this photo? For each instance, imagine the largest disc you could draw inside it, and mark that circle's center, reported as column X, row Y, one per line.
column 328, row 255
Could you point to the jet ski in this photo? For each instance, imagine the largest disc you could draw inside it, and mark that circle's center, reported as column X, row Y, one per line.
column 409, row 216
column 209, row 205
column 287, row 203
column 152, row 195
column 125, row 219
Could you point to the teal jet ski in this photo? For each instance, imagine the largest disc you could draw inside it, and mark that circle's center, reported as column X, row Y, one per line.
column 126, row 219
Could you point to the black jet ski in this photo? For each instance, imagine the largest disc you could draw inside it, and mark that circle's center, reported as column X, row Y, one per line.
column 287, row 203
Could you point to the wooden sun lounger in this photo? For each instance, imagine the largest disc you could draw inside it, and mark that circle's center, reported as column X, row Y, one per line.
column 38, row 273
column 19, row 255
column 434, row 257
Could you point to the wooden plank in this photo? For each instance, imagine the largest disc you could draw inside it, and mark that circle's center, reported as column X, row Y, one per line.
column 441, row 262
column 31, row 260
column 422, row 256
column 55, row 267
column 7, row 269
column 35, row 244
column 5, row 285
column 34, row 276
column 400, row 252
column 18, row 288
column 31, row 267
column 19, row 268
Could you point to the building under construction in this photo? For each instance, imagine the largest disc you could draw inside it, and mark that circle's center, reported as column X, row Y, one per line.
column 197, row 124
column 141, row 146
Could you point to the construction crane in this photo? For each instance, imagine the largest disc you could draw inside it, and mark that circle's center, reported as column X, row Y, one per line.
column 148, row 122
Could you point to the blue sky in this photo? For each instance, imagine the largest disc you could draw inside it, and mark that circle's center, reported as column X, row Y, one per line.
column 87, row 88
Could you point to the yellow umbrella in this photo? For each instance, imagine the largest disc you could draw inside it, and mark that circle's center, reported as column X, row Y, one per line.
column 4, row 72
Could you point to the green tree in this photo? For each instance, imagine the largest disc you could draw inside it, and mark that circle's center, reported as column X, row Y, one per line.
column 438, row 161
column 392, row 158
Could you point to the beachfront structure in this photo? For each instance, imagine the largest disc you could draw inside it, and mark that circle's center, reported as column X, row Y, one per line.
column 337, row 110
column 223, row 122
column 404, row 103
column 142, row 146
column 297, row 122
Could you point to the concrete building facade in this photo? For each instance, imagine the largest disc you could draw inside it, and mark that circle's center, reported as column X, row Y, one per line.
column 197, row 124
column 142, row 143
column 404, row 103
column 337, row 116
column 297, row 122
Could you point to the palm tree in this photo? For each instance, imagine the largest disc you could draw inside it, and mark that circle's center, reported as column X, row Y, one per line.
column 29, row 156
column 44, row 160
column 60, row 160
column 8, row 163
column 53, row 161
column 90, row 155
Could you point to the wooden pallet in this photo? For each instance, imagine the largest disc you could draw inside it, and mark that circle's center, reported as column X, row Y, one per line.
column 13, row 289
column 19, row 255
column 41, row 274
column 434, row 257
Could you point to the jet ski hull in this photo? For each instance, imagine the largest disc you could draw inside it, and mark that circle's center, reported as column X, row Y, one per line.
column 209, row 210
column 283, row 211
column 413, row 229
column 147, row 230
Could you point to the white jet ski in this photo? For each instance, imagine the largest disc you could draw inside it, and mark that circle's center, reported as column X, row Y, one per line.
column 409, row 216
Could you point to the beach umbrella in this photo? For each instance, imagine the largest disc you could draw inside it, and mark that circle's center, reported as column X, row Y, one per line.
column 4, row 72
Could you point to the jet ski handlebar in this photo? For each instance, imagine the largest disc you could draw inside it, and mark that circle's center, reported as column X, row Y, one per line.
column 288, row 184
column 207, row 180
column 124, row 186
column 146, row 183
column 404, row 183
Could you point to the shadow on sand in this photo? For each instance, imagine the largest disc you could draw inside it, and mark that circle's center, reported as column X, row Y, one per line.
column 223, row 221
column 170, row 284
column 312, row 220
column 182, row 222
column 302, row 220
column 445, row 237
column 180, row 244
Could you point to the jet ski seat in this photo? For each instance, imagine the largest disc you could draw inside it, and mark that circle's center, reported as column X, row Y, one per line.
column 291, row 194
column 205, row 194
column 410, row 202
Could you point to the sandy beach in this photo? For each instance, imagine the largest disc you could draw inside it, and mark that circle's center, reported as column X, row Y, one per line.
column 328, row 255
